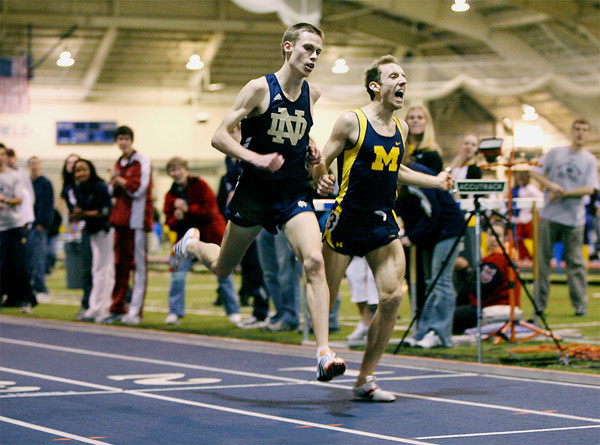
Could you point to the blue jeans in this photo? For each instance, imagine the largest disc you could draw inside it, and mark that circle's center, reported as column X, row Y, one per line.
column 438, row 311
column 177, row 291
column 36, row 254
column 281, row 274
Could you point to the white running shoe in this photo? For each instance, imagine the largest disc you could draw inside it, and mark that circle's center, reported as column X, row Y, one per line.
column 371, row 392
column 359, row 333
column 330, row 366
column 172, row 319
column 179, row 251
column 430, row 340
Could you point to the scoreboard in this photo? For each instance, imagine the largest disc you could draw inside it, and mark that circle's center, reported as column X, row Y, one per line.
column 85, row 132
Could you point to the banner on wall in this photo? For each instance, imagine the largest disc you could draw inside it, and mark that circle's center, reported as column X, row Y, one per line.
column 14, row 97
column 85, row 132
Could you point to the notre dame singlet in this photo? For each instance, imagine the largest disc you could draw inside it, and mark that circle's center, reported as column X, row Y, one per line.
column 271, row 198
column 284, row 129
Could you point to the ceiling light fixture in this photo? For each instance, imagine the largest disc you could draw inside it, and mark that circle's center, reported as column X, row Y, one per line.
column 529, row 113
column 460, row 6
column 65, row 59
column 340, row 67
column 195, row 63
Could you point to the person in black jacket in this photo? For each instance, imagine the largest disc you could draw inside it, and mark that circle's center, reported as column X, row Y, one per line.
column 432, row 220
column 93, row 205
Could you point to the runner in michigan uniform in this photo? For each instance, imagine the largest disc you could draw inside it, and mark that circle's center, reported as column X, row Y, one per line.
column 369, row 144
column 363, row 218
column 275, row 112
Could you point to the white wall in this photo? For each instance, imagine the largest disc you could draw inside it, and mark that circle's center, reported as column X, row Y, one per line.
column 161, row 132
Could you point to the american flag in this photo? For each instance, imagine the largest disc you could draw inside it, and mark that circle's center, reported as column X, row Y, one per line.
column 14, row 96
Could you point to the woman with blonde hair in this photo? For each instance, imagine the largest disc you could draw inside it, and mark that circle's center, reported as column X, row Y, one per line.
column 421, row 144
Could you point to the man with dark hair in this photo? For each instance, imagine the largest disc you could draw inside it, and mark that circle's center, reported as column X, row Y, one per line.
column 568, row 174
column 131, row 217
column 369, row 144
column 275, row 112
column 37, row 238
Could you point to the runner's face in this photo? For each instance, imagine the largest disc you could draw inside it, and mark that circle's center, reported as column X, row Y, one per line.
column 305, row 52
column 393, row 84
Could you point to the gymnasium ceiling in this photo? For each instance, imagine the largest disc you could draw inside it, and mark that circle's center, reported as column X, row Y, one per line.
column 502, row 54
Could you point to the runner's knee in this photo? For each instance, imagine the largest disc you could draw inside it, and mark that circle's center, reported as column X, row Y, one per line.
column 313, row 265
column 391, row 301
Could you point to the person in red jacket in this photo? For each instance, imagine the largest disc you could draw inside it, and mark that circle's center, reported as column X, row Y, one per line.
column 495, row 283
column 131, row 217
column 190, row 202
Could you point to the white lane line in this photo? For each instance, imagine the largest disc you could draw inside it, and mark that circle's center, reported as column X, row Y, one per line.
column 287, row 379
column 522, row 379
column 52, row 431
column 149, row 360
column 201, row 388
column 59, row 379
column 501, row 433
column 57, row 394
column 208, row 406
column 410, row 377
column 279, row 419
column 499, row 407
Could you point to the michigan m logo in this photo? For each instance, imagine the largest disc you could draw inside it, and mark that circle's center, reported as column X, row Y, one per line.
column 285, row 126
column 384, row 158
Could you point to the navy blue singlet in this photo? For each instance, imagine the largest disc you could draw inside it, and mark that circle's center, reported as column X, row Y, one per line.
column 282, row 128
column 368, row 172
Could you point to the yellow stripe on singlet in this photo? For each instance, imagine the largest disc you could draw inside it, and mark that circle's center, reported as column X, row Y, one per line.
column 349, row 156
column 327, row 233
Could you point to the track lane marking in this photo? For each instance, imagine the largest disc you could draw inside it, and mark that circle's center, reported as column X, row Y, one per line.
column 501, row 433
column 303, row 423
column 287, row 379
column 235, row 345
column 208, row 406
column 51, row 431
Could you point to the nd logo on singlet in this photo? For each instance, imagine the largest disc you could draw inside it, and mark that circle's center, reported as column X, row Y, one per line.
column 384, row 158
column 285, row 126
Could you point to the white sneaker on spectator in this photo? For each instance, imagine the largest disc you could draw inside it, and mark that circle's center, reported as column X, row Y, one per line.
column 42, row 297
column 251, row 323
column 409, row 342
column 235, row 318
column 102, row 317
column 172, row 319
column 430, row 340
column 359, row 333
column 371, row 392
column 131, row 319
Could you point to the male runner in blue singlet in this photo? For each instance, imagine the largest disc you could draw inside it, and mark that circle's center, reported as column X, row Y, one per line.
column 275, row 112
column 369, row 144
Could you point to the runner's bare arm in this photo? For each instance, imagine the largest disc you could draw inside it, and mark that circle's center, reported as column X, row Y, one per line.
column 249, row 101
column 344, row 131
